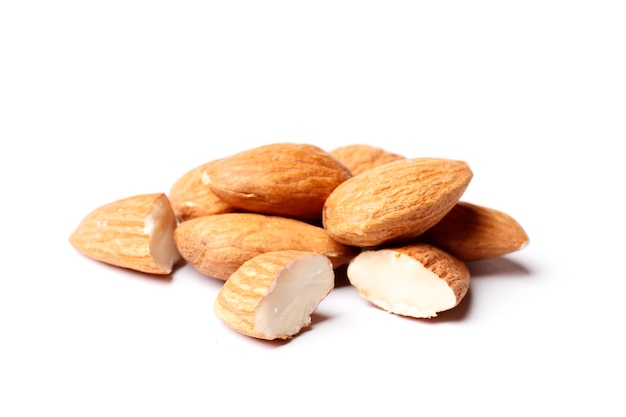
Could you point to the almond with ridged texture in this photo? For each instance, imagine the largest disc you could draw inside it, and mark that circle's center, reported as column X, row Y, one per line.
column 360, row 157
column 472, row 233
column 416, row 280
column 217, row 245
column 273, row 295
column 286, row 179
column 191, row 197
column 396, row 201
column 135, row 232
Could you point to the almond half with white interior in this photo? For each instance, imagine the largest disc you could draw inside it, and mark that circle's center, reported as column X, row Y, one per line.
column 135, row 232
column 273, row 295
column 417, row 280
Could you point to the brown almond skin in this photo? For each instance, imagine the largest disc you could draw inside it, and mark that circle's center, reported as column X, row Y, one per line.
column 191, row 197
column 472, row 233
column 286, row 179
column 114, row 233
column 396, row 201
column 446, row 266
column 359, row 157
column 219, row 244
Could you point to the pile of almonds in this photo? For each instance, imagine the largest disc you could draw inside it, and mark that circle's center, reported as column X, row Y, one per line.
column 275, row 223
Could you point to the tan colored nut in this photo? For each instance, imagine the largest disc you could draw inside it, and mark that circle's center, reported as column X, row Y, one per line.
column 217, row 245
column 286, row 179
column 417, row 280
column 273, row 295
column 396, row 201
column 135, row 233
column 471, row 233
column 359, row 158
column 191, row 197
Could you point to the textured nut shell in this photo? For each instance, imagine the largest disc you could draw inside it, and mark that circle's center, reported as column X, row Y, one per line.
column 191, row 197
column 217, row 245
column 471, row 232
column 396, row 201
column 447, row 267
column 244, row 290
column 114, row 233
column 359, row 157
column 285, row 179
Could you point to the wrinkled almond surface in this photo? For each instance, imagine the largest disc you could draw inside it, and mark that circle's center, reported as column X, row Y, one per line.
column 395, row 201
column 361, row 157
column 286, row 179
column 135, row 233
column 217, row 245
column 472, row 232
column 191, row 197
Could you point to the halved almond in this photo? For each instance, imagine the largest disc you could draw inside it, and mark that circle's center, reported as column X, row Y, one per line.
column 273, row 295
column 135, row 232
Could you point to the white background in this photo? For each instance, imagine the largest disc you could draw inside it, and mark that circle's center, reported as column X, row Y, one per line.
column 102, row 100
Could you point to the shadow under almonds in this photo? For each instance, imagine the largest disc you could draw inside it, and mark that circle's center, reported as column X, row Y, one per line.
column 501, row 266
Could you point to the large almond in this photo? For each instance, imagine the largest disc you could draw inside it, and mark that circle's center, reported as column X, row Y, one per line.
column 219, row 244
column 395, row 201
column 472, row 233
column 286, row 179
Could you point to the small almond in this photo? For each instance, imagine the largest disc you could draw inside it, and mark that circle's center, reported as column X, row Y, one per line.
column 135, row 233
column 471, row 233
column 359, row 157
column 217, row 245
column 416, row 280
column 273, row 295
column 286, row 179
column 395, row 201
column 191, row 197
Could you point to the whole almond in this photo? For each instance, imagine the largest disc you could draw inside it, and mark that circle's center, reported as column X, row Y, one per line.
column 191, row 197
column 417, row 280
column 273, row 295
column 395, row 201
column 472, row 232
column 136, row 232
column 217, row 245
column 286, row 179
column 361, row 157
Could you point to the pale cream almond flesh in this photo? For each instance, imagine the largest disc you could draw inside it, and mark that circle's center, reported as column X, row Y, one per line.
column 135, row 233
column 416, row 281
column 273, row 295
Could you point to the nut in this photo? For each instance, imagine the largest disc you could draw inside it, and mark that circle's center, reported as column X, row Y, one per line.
column 217, row 245
column 472, row 233
column 191, row 197
column 135, row 233
column 416, row 280
column 273, row 295
column 285, row 179
column 359, row 158
column 395, row 201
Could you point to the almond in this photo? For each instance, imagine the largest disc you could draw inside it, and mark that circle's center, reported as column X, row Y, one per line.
column 273, row 295
column 416, row 280
column 135, row 233
column 472, row 232
column 217, row 245
column 360, row 157
column 286, row 179
column 395, row 201
column 191, row 197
